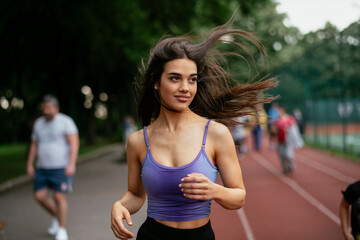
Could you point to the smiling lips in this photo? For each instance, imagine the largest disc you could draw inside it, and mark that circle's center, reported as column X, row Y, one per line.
column 182, row 98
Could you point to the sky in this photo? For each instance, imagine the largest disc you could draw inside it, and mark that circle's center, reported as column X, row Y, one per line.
column 311, row 15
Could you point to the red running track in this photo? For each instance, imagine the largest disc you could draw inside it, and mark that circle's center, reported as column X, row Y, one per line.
column 300, row 206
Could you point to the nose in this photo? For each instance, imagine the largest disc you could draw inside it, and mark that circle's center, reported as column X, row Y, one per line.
column 184, row 86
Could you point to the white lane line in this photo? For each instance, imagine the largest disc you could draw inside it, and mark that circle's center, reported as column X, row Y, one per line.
column 324, row 169
column 245, row 223
column 296, row 187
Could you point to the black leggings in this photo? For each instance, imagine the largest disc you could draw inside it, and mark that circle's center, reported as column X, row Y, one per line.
column 153, row 230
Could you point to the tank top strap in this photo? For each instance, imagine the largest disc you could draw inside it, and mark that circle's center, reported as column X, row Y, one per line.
column 146, row 138
column 205, row 133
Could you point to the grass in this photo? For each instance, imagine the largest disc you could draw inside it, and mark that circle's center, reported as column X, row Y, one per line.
column 349, row 155
column 12, row 161
column 336, row 141
column 13, row 158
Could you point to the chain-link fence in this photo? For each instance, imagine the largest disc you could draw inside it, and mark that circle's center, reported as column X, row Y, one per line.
column 334, row 124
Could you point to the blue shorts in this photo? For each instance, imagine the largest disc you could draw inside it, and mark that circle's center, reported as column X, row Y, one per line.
column 54, row 179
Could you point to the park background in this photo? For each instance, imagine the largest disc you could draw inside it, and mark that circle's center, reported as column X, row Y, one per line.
column 87, row 53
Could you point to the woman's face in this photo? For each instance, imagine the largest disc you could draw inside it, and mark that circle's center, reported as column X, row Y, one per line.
column 178, row 84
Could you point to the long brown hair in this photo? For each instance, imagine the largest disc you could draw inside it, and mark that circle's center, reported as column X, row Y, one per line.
column 218, row 95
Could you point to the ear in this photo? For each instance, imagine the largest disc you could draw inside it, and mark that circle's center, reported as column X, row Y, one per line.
column 156, row 86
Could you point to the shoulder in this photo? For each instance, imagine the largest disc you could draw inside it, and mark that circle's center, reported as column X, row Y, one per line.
column 38, row 123
column 218, row 132
column 220, row 145
column 136, row 140
column 64, row 117
column 136, row 147
column 218, row 128
column 291, row 119
column 39, row 120
column 67, row 123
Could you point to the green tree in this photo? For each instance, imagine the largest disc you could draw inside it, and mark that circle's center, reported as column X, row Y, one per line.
column 60, row 46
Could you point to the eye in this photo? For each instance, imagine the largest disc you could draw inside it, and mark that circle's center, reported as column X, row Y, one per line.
column 174, row 78
column 193, row 79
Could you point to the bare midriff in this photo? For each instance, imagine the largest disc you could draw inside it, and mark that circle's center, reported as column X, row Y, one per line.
column 186, row 224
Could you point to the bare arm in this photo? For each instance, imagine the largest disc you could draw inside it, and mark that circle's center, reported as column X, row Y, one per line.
column 134, row 198
column 31, row 159
column 344, row 218
column 232, row 194
column 73, row 140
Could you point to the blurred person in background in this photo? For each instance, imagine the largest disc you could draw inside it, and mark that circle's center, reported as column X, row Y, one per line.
column 299, row 120
column 54, row 145
column 239, row 134
column 285, row 150
column 129, row 127
column 258, row 122
column 273, row 115
column 350, row 200
column 174, row 160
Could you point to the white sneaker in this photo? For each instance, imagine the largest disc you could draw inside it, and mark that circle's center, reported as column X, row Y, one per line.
column 61, row 234
column 52, row 230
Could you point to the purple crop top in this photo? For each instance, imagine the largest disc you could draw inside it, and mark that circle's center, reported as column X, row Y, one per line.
column 165, row 199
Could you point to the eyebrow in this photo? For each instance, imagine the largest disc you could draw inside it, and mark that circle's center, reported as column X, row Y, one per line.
column 178, row 74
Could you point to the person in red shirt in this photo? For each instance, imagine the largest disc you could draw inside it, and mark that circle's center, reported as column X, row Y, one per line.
column 285, row 150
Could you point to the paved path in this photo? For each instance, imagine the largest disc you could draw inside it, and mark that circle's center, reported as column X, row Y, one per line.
column 302, row 205
column 98, row 184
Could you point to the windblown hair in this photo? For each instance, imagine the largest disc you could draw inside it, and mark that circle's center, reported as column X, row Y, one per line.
column 218, row 96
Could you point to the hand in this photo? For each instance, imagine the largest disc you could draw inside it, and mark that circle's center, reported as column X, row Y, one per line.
column 30, row 171
column 348, row 236
column 118, row 213
column 198, row 186
column 70, row 170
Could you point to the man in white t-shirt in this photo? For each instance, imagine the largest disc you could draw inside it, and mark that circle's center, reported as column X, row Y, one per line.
column 54, row 145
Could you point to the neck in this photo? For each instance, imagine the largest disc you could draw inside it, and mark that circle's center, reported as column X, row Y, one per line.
column 49, row 118
column 284, row 115
column 173, row 120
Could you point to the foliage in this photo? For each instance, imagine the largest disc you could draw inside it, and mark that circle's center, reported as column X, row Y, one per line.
column 13, row 157
column 326, row 69
column 12, row 161
column 348, row 156
column 60, row 46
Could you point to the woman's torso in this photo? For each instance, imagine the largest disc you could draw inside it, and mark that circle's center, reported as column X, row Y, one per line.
column 168, row 158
